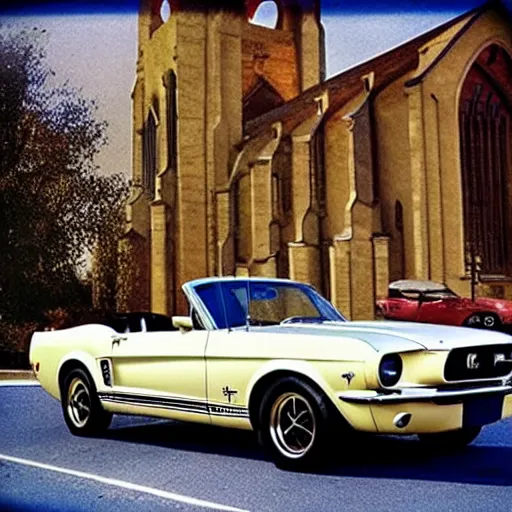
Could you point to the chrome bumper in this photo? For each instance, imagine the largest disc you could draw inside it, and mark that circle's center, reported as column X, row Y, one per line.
column 437, row 396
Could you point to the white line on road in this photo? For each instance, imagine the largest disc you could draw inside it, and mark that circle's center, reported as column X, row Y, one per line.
column 126, row 485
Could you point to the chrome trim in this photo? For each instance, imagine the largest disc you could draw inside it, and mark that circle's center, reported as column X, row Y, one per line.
column 421, row 395
column 182, row 404
column 107, row 374
column 282, row 425
column 198, row 305
column 253, row 279
column 78, row 403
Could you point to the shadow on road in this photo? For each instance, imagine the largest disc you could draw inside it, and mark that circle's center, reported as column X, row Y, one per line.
column 365, row 456
column 190, row 437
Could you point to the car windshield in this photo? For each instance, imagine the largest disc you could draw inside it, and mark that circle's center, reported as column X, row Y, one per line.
column 270, row 303
column 439, row 294
column 425, row 295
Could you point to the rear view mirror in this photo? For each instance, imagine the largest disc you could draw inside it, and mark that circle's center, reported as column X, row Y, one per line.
column 259, row 292
column 183, row 323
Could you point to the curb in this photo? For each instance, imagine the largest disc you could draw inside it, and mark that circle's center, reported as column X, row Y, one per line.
column 17, row 375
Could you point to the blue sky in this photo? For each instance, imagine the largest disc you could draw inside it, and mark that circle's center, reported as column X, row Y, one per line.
column 328, row 6
column 95, row 48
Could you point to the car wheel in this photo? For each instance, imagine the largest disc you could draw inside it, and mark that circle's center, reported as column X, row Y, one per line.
column 483, row 321
column 82, row 409
column 451, row 440
column 490, row 321
column 294, row 424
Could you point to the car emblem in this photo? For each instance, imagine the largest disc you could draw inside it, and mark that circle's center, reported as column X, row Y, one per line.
column 502, row 361
column 472, row 362
column 498, row 358
column 226, row 391
column 349, row 376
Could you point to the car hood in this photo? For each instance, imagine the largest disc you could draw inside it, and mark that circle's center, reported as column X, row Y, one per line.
column 384, row 335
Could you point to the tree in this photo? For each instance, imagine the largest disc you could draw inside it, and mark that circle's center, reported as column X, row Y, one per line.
column 53, row 203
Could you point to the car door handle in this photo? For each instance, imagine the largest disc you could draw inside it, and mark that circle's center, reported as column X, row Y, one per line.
column 118, row 339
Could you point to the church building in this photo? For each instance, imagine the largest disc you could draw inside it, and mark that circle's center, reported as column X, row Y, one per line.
column 248, row 161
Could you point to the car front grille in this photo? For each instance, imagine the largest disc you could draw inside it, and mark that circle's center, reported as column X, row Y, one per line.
column 480, row 362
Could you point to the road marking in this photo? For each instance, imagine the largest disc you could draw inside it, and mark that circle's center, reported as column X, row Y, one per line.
column 19, row 382
column 126, row 485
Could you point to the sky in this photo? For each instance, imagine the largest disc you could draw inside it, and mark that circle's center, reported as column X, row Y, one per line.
column 95, row 48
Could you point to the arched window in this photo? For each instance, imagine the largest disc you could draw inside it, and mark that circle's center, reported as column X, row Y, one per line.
column 165, row 10
column 149, row 156
column 485, row 115
column 172, row 121
column 399, row 217
column 397, row 263
column 265, row 15
column 160, row 11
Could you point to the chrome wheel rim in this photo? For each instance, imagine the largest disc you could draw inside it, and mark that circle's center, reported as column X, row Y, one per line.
column 489, row 321
column 474, row 320
column 78, row 403
column 292, row 425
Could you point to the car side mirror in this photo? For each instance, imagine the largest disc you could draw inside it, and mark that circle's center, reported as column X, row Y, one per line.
column 183, row 323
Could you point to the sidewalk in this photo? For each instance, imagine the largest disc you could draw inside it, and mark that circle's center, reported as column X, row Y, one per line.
column 16, row 375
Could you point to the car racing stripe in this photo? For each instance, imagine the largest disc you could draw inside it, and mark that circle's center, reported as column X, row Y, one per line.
column 177, row 404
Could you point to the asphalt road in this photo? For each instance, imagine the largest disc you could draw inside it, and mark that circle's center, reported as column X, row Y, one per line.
column 43, row 467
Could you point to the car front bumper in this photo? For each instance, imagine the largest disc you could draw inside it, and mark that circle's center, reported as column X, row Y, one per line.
column 421, row 410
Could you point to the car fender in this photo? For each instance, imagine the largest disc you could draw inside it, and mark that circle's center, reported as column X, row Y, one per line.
column 86, row 360
column 304, row 368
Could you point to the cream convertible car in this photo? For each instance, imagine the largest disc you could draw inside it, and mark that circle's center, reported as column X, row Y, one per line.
column 274, row 356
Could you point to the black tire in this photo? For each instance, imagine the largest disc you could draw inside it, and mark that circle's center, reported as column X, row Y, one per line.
column 484, row 320
column 305, row 448
column 452, row 439
column 81, row 407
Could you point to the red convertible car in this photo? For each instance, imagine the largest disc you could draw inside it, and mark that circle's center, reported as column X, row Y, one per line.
column 435, row 303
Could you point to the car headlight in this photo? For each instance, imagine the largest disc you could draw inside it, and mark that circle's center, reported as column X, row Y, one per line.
column 390, row 369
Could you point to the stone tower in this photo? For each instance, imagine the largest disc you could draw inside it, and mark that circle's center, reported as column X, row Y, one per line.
column 202, row 73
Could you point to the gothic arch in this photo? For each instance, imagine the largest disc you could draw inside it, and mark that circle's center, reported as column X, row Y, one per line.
column 171, row 88
column 267, row 13
column 260, row 99
column 485, row 125
column 149, row 150
column 165, row 10
column 160, row 12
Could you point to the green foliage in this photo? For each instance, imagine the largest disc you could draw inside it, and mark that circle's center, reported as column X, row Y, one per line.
column 53, row 203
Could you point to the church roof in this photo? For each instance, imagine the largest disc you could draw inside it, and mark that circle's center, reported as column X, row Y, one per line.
column 386, row 67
